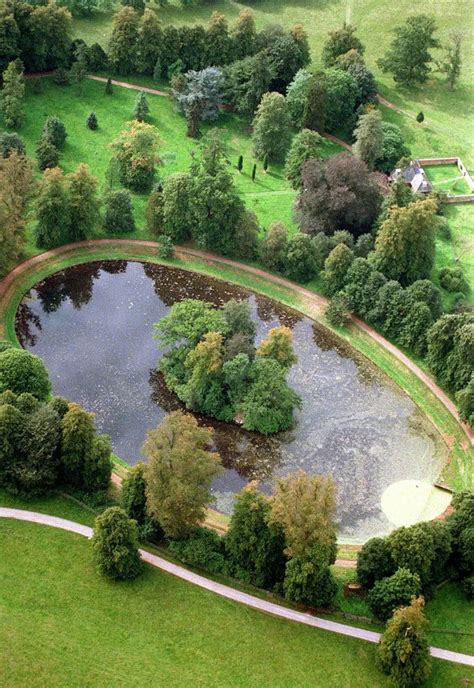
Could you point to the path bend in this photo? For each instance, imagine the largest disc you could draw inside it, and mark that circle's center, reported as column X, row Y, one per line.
column 225, row 590
column 318, row 302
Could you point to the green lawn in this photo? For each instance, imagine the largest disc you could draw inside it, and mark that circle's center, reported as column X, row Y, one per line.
column 459, row 249
column 269, row 195
column 65, row 625
column 448, row 178
column 447, row 128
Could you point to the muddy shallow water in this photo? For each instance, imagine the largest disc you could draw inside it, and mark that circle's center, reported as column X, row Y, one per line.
column 92, row 326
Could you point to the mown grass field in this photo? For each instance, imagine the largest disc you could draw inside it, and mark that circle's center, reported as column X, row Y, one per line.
column 448, row 128
column 65, row 625
column 269, row 195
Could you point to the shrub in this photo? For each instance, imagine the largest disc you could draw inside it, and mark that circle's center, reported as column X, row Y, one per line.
column 468, row 587
column 246, row 232
column 11, row 142
column 254, row 547
column 390, row 593
column 300, row 262
column 202, row 549
column 273, row 248
column 4, row 345
column 47, row 154
column 403, row 650
column 132, row 495
column 420, row 117
column 92, row 122
column 309, row 583
column 21, row 372
column 61, row 77
column 119, row 212
column 337, row 311
column 54, row 131
column 453, row 280
column 374, row 562
column 165, row 247
column 115, row 545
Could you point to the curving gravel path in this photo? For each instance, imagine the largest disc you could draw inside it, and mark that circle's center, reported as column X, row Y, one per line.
column 225, row 590
column 316, row 301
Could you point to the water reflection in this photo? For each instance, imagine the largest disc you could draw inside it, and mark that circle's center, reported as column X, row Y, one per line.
column 92, row 326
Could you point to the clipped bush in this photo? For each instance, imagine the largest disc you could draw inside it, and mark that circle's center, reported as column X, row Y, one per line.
column 92, row 122
column 203, row 549
column 21, row 372
column 308, row 583
column 115, row 545
column 395, row 591
column 374, row 562
column 453, row 280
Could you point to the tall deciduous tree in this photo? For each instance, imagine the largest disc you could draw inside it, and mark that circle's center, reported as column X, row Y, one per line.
column 216, row 206
column 409, row 57
column 53, row 210
column 273, row 248
column 339, row 43
column 150, row 42
column 304, row 146
column 16, row 184
column 246, row 81
column 219, row 47
column 244, row 34
column 124, row 41
column 336, row 267
column 271, row 127
column 450, row 350
column 297, row 95
column 179, row 473
column 136, row 155
column 84, row 203
column 342, row 95
column 403, row 650
column 451, row 62
column 279, row 346
column 404, row 247
column 47, row 43
column 338, row 193
column 115, row 545
column 305, row 506
column 9, row 36
column 254, row 548
column 177, row 206
column 314, row 113
column 369, row 138
column 11, row 95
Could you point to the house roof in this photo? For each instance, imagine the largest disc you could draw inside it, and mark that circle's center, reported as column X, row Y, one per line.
column 414, row 175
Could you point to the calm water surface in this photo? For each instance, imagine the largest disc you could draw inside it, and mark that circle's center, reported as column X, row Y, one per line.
column 92, row 325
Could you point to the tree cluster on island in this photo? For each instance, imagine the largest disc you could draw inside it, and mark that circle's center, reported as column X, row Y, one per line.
column 215, row 368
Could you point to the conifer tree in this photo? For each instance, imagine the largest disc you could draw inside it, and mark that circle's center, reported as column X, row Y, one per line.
column 12, row 94
column 142, row 108
column 369, row 138
column 271, row 127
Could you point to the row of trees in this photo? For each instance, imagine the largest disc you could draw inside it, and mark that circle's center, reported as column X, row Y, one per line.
column 45, row 442
column 416, row 559
column 215, row 368
column 286, row 542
